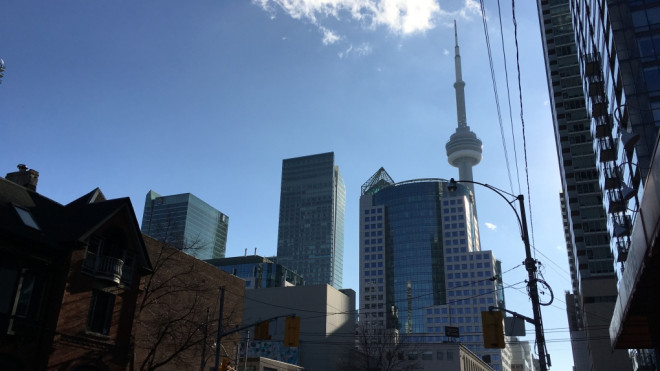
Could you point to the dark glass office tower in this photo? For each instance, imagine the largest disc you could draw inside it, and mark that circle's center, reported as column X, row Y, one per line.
column 186, row 222
column 311, row 231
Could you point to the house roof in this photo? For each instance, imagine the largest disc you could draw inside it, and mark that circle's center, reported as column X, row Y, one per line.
column 26, row 214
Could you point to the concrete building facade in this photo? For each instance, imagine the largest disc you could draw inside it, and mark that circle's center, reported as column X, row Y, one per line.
column 327, row 325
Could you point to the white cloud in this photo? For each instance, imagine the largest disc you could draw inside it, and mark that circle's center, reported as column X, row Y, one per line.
column 329, row 37
column 360, row 50
column 406, row 17
column 363, row 49
column 445, row 52
column 490, row 226
column 403, row 17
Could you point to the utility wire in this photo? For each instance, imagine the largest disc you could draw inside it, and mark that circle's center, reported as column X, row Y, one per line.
column 497, row 98
column 508, row 94
column 522, row 120
column 327, row 314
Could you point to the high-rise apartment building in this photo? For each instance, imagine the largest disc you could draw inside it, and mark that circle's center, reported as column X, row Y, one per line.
column 604, row 78
column 187, row 223
column 311, row 231
column 421, row 265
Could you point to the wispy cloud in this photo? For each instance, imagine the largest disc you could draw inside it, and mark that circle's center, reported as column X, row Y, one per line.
column 329, row 37
column 403, row 17
column 490, row 226
column 360, row 51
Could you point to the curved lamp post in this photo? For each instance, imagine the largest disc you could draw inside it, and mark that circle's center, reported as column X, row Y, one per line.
column 530, row 264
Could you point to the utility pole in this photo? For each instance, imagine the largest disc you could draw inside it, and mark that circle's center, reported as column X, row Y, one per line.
column 530, row 265
column 205, row 328
column 219, row 335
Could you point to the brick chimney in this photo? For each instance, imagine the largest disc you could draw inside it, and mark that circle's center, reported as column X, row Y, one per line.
column 28, row 178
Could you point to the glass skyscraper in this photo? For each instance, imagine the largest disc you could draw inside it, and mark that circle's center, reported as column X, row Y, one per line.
column 310, row 238
column 421, row 264
column 186, row 222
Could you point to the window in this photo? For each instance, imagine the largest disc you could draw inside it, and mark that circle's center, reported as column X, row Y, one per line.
column 26, row 217
column 16, row 291
column 100, row 312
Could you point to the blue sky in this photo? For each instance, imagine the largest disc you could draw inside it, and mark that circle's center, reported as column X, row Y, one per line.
column 208, row 97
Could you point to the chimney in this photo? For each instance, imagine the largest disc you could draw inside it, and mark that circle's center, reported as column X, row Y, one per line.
column 25, row 177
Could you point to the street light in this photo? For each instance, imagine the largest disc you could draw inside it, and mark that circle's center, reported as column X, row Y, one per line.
column 530, row 264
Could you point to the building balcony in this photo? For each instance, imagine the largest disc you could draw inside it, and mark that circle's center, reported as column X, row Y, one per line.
column 606, row 149
column 599, row 109
column 612, row 176
column 636, row 309
column 622, row 226
column 622, row 247
column 592, row 66
column 104, row 267
column 603, row 127
column 617, row 203
column 596, row 89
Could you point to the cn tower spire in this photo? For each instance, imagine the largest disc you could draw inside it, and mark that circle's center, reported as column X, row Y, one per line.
column 463, row 147
column 459, row 85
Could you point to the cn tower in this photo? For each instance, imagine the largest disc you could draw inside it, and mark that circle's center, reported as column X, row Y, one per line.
column 463, row 147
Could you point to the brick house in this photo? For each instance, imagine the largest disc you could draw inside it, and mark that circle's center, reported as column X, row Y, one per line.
column 69, row 279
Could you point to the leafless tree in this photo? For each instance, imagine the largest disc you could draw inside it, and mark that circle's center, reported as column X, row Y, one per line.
column 378, row 349
column 177, row 311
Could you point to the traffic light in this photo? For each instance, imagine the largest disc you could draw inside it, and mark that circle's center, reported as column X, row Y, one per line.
column 261, row 331
column 224, row 366
column 493, row 329
column 292, row 331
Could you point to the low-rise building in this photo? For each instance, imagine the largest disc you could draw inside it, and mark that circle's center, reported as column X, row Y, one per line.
column 327, row 324
column 258, row 272
column 178, row 309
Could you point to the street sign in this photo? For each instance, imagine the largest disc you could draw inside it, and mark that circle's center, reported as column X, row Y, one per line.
column 452, row 332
